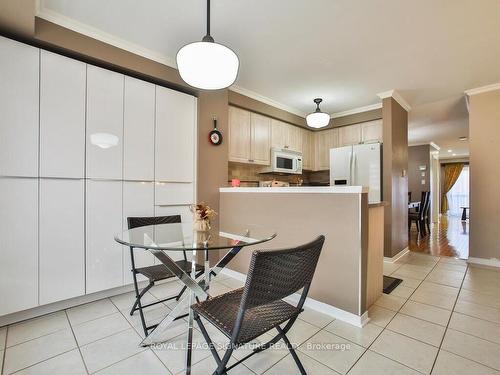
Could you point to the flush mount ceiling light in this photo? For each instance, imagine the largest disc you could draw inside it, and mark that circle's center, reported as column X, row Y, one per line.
column 207, row 65
column 317, row 119
column 462, row 138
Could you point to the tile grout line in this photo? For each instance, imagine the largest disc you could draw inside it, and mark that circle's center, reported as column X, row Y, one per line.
column 4, row 350
column 76, row 342
column 449, row 319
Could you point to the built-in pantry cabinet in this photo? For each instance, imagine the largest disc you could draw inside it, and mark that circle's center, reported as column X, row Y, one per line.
column 61, row 239
column 19, row 108
column 18, row 244
column 62, row 116
column 244, row 140
column 82, row 148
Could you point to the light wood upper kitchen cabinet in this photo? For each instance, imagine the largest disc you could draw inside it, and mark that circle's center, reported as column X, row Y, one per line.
column 325, row 140
column 18, row 244
column 260, row 140
column 286, row 136
column 308, row 150
column 62, row 242
column 138, row 130
column 19, row 108
column 175, row 135
column 249, row 137
column 104, row 256
column 138, row 200
column 62, row 116
column 371, row 131
column 349, row 135
column 104, row 123
column 240, row 133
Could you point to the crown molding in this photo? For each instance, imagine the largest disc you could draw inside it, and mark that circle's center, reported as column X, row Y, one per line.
column 480, row 90
column 397, row 97
column 366, row 108
column 92, row 32
column 266, row 100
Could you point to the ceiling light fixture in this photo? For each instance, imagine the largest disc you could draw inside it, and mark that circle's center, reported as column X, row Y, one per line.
column 207, row 65
column 450, row 150
column 462, row 138
column 317, row 119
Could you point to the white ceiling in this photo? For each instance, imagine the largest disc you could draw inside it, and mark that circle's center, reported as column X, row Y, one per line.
column 345, row 51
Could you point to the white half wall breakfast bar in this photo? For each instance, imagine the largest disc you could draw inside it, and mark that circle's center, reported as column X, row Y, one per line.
column 349, row 276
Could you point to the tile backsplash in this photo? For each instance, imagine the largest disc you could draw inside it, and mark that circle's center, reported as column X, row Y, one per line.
column 249, row 175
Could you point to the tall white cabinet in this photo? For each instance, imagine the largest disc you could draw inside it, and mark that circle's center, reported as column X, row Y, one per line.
column 18, row 244
column 19, row 110
column 104, row 123
column 81, row 149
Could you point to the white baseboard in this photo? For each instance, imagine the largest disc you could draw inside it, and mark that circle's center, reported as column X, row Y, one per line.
column 492, row 262
column 66, row 304
column 398, row 256
column 334, row 312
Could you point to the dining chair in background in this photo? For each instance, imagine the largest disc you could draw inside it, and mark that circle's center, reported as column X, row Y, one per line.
column 157, row 272
column 246, row 313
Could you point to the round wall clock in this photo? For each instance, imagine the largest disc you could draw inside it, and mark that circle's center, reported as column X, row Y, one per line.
column 215, row 136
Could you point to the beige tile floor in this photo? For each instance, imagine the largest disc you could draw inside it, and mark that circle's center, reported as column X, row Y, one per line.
column 443, row 319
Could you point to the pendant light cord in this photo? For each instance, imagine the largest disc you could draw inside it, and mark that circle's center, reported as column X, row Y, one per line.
column 208, row 37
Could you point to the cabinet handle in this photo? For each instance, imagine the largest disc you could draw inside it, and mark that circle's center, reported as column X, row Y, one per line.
column 251, row 160
column 286, row 146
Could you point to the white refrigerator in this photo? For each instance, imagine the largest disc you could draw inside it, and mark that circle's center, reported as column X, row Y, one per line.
column 358, row 165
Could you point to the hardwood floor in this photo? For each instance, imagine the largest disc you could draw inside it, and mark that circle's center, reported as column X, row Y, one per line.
column 448, row 237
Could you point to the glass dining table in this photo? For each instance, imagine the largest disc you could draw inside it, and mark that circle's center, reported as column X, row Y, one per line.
column 164, row 240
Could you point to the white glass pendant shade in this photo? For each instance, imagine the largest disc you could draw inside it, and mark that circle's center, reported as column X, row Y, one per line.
column 207, row 65
column 104, row 140
column 318, row 119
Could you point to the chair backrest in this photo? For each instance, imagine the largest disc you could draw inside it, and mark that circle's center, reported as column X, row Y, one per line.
column 427, row 204
column 274, row 275
column 142, row 221
column 423, row 203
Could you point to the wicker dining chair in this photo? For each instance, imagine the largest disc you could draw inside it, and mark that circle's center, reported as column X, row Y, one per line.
column 157, row 272
column 246, row 313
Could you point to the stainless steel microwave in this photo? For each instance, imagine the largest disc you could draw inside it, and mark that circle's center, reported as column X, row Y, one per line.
column 285, row 161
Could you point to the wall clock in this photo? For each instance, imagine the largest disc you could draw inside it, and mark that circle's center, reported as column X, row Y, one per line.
column 215, row 136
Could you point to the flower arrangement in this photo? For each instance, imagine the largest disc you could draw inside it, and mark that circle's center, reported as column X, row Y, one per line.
column 202, row 216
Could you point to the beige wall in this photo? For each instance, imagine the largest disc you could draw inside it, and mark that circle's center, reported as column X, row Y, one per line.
column 394, row 184
column 484, row 132
column 17, row 17
column 417, row 156
column 299, row 218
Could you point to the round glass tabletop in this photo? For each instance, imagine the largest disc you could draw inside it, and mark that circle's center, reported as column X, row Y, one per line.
column 181, row 236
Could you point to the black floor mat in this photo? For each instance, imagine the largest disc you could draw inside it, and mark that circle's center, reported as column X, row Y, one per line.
column 390, row 283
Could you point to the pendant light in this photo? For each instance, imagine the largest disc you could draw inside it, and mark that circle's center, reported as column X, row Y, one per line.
column 317, row 119
column 207, row 65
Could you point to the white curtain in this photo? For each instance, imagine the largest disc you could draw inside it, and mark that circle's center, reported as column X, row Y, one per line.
column 458, row 196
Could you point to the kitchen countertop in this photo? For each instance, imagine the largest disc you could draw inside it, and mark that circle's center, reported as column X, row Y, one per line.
column 298, row 189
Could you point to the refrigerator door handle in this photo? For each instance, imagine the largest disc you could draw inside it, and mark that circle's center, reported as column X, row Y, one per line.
column 353, row 169
column 350, row 168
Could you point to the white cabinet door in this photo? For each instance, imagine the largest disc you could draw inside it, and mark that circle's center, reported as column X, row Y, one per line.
column 138, row 131
column 260, row 143
column 174, row 193
column 187, row 225
column 138, row 200
column 62, row 249
column 371, row 131
column 239, row 135
column 19, row 108
column 18, row 244
column 350, row 135
column 104, row 256
column 104, row 123
column 62, row 116
column 175, row 135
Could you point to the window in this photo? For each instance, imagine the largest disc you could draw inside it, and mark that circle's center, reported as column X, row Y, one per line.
column 458, row 196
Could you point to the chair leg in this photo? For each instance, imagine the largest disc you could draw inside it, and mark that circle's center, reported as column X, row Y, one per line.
column 138, row 297
column 292, row 351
